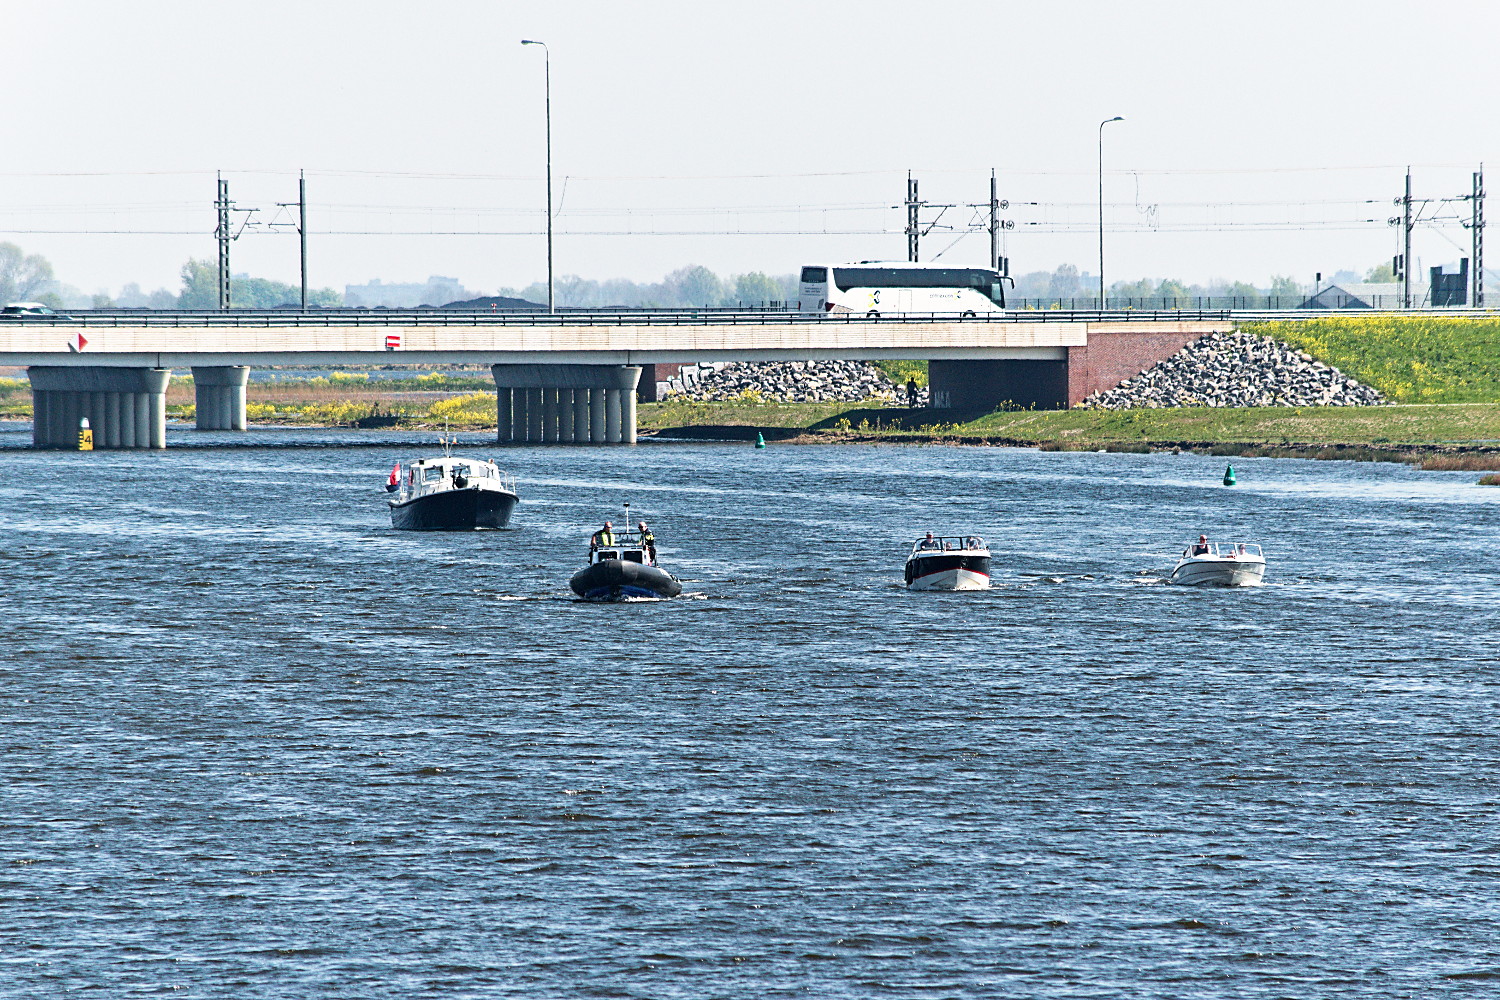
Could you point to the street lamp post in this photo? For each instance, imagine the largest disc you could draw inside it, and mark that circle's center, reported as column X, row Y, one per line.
column 547, row 68
column 1117, row 118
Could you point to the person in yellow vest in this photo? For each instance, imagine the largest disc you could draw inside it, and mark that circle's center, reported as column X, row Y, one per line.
column 605, row 536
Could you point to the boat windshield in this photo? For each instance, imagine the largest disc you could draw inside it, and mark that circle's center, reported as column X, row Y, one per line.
column 947, row 543
column 622, row 554
column 1223, row 550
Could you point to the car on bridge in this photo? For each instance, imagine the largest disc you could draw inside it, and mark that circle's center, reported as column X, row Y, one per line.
column 30, row 310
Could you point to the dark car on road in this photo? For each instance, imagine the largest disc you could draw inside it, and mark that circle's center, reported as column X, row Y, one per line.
column 30, row 310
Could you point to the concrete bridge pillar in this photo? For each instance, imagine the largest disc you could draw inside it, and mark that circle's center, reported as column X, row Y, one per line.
column 126, row 407
column 580, row 415
column 536, row 415
column 597, row 423
column 565, row 416
column 551, row 418
column 505, row 427
column 219, row 393
column 627, row 415
column 592, row 404
column 520, row 419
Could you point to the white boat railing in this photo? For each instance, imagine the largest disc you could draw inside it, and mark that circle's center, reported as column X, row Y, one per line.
column 947, row 543
column 1223, row 550
column 421, row 479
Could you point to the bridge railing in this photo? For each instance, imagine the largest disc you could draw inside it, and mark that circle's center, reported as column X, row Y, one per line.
column 672, row 317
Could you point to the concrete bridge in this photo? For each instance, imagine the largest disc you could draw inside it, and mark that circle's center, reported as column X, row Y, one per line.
column 558, row 378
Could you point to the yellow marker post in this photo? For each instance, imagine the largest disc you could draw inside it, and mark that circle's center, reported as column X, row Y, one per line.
column 85, row 435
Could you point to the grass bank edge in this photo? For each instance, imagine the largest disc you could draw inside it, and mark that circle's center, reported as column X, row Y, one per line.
column 1468, row 424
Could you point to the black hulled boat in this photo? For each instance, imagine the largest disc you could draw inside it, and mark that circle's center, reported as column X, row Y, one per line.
column 622, row 566
column 451, row 493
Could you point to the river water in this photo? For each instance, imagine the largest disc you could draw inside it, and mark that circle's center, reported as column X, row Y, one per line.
column 256, row 744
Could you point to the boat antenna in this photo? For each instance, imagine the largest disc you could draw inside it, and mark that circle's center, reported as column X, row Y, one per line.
column 447, row 441
column 627, row 517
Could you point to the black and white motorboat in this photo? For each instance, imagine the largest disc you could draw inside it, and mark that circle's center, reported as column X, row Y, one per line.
column 622, row 566
column 1220, row 564
column 956, row 562
column 451, row 493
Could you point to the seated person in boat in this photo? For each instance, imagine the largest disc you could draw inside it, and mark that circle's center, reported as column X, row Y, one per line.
column 929, row 542
column 1200, row 549
column 604, row 536
column 648, row 541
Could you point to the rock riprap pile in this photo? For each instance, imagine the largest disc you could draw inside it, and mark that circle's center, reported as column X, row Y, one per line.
column 795, row 382
column 1237, row 369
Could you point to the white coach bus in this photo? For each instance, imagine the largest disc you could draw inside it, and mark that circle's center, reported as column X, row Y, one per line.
column 873, row 287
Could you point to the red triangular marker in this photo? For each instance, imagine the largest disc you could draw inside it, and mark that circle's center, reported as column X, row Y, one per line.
column 82, row 342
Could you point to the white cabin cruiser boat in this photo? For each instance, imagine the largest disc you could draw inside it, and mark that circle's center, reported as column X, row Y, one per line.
column 1220, row 564
column 957, row 562
column 451, row 493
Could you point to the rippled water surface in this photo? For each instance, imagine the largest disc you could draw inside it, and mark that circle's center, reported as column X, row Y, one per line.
column 256, row 744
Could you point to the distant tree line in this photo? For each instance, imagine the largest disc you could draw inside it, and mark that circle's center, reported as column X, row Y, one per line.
column 1067, row 282
column 30, row 277
column 686, row 287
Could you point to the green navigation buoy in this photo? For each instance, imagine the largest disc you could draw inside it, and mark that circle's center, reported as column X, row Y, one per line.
column 1228, row 475
column 760, row 440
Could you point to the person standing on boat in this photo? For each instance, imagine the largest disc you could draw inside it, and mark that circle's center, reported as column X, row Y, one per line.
column 648, row 541
column 604, row 536
column 1201, row 549
column 929, row 542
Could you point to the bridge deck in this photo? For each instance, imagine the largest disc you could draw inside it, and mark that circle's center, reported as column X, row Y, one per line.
column 267, row 341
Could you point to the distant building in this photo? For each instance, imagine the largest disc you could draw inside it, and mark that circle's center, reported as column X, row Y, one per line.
column 436, row 291
column 1363, row 295
column 1446, row 288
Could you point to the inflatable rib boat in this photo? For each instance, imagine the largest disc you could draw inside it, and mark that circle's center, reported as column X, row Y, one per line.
column 623, row 566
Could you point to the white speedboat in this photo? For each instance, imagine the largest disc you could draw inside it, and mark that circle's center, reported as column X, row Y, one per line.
column 1220, row 564
column 957, row 562
column 451, row 493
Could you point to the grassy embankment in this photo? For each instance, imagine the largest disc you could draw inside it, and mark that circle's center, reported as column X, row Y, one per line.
column 1443, row 374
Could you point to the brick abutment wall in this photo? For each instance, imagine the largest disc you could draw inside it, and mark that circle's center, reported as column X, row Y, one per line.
column 1112, row 356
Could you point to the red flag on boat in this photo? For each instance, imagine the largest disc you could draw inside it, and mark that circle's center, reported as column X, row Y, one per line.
column 390, row 484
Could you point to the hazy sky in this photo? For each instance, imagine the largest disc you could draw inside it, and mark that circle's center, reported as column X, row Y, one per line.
column 1258, row 136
